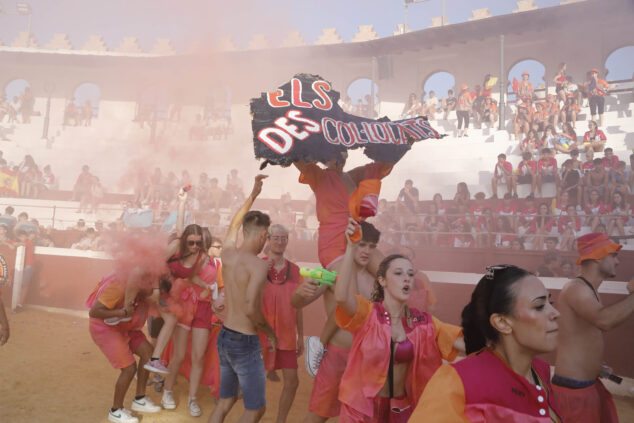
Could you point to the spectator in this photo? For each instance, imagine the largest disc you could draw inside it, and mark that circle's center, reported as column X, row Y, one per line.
column 610, row 161
column 618, row 180
column 596, row 89
column 71, row 112
column 477, row 207
column 526, row 173
column 484, row 227
column 523, row 118
column 541, row 226
column 14, row 108
column 568, row 227
column 234, row 187
column 9, row 217
column 463, row 196
column 28, row 102
column 86, row 241
column 431, row 221
column 490, row 112
column 560, row 82
column 463, row 107
column 539, row 119
column 570, row 182
column 4, row 237
column 570, row 137
column 569, row 112
column 408, row 196
column 440, row 205
column 597, row 179
column 431, row 106
column 23, row 217
column 551, row 244
column 588, row 165
column 576, row 163
column 412, row 108
column 572, row 91
column 28, row 175
column 508, row 208
column 86, row 113
column 502, row 174
column 551, row 266
column 504, row 234
column 448, row 104
column 557, row 142
column 525, row 89
column 567, row 269
column 517, row 244
column 81, row 225
column 594, row 139
column 526, row 217
column 619, row 215
column 48, row 179
column 463, row 239
column 547, row 170
column 83, row 185
column 441, row 237
column 531, row 144
column 552, row 109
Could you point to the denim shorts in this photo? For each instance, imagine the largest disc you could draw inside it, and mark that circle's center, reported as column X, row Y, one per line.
column 241, row 365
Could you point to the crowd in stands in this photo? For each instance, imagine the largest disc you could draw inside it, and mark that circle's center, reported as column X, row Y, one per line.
column 19, row 109
column 599, row 201
column 24, row 179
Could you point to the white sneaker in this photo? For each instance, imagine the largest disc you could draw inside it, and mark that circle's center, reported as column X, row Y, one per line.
column 167, row 401
column 313, row 354
column 122, row 416
column 156, row 366
column 113, row 321
column 194, row 409
column 145, row 405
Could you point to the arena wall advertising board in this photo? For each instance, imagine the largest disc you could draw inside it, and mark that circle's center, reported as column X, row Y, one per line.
column 302, row 120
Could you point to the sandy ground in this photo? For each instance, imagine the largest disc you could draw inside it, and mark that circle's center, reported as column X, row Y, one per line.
column 50, row 371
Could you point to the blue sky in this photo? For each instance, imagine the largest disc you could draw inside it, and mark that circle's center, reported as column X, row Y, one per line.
column 186, row 21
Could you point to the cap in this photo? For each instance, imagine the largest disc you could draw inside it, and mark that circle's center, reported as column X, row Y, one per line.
column 594, row 70
column 464, row 87
column 595, row 246
column 525, row 73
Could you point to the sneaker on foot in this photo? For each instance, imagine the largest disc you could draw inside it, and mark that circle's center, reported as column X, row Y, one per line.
column 113, row 321
column 145, row 405
column 167, row 401
column 121, row 416
column 314, row 352
column 156, row 366
column 194, row 409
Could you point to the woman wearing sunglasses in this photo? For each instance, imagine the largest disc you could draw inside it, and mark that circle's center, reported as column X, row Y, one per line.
column 395, row 349
column 508, row 322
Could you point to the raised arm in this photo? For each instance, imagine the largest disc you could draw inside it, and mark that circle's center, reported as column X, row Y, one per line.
column 345, row 288
column 253, row 301
column 236, row 222
column 180, row 217
column 583, row 302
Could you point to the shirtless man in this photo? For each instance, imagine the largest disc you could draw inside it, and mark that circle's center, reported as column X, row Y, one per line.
column 581, row 396
column 244, row 274
column 324, row 402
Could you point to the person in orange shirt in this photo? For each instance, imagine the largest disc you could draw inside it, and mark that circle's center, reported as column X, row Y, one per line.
column 597, row 89
column 283, row 278
column 395, row 349
column 119, row 343
column 525, row 89
column 507, row 323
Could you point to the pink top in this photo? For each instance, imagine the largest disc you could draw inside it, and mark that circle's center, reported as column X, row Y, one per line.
column 369, row 357
column 404, row 352
column 178, row 270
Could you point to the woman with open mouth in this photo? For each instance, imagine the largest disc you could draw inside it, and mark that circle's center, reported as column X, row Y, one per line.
column 508, row 322
column 395, row 349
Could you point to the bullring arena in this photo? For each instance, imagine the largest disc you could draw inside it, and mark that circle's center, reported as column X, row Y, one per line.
column 186, row 112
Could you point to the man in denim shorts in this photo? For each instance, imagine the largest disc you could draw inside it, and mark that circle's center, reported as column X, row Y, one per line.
column 241, row 364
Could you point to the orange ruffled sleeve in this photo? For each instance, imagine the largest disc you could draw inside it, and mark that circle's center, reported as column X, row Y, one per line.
column 443, row 400
column 446, row 336
column 352, row 323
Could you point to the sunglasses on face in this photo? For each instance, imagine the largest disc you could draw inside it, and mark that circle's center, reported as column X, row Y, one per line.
column 192, row 243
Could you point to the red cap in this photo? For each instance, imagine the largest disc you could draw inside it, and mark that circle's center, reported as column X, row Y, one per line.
column 594, row 70
column 595, row 246
column 464, row 87
column 525, row 73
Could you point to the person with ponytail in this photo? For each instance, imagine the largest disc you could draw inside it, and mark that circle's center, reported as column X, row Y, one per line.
column 508, row 322
column 395, row 349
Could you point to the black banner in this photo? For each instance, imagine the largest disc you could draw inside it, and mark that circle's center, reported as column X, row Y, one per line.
column 302, row 120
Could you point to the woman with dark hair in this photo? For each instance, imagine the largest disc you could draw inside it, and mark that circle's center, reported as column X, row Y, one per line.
column 508, row 322
column 395, row 349
column 541, row 226
column 463, row 196
column 198, row 323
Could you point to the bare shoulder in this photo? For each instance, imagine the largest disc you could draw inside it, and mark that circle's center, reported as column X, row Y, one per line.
column 254, row 263
column 575, row 293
